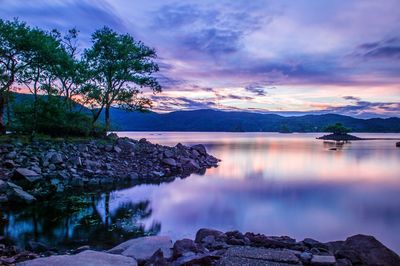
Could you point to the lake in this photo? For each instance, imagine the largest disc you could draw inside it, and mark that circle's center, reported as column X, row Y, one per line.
column 276, row 184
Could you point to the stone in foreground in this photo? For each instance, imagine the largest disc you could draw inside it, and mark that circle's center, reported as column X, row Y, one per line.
column 87, row 258
column 258, row 256
column 143, row 248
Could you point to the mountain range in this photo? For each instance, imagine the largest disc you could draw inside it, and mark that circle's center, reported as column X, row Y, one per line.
column 214, row 120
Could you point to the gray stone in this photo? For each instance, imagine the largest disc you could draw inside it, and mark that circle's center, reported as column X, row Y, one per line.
column 20, row 195
column 323, row 260
column 36, row 169
column 108, row 148
column 25, row 176
column 117, row 149
column 133, row 176
column 191, row 166
column 205, row 232
column 83, row 148
column 271, row 255
column 56, row 158
column 87, row 258
column 168, row 153
column 240, row 261
column 52, row 167
column 12, row 155
column 200, row 148
column 9, row 164
column 169, row 161
column 143, row 248
column 366, row 250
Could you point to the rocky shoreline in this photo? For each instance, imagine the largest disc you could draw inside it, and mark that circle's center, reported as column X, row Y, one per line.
column 36, row 169
column 212, row 247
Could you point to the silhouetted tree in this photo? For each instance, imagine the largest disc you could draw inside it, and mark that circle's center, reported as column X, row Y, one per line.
column 119, row 67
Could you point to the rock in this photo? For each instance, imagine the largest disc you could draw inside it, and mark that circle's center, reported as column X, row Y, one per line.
column 143, row 248
column 81, row 249
column 87, row 258
column 25, row 177
column 190, row 258
column 112, row 136
column 56, row 158
column 83, row 148
column 12, row 155
column 190, row 166
column 182, row 246
column 37, row 246
column 52, row 167
column 117, row 149
column 3, row 186
column 36, row 169
column 108, row 148
column 9, row 164
column 76, row 161
column 157, row 259
column 19, row 195
column 133, row 176
column 260, row 256
column 169, row 161
column 169, row 153
column 323, row 260
column 3, row 198
column 200, row 149
column 260, row 240
column 205, row 232
column 305, row 257
column 126, row 145
column 366, row 250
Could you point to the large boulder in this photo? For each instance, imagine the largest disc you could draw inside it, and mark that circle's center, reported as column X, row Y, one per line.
column 25, row 177
column 366, row 250
column 203, row 233
column 143, row 248
column 258, row 256
column 87, row 258
column 184, row 246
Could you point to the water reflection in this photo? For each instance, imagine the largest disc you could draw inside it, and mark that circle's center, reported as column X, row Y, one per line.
column 277, row 184
column 79, row 220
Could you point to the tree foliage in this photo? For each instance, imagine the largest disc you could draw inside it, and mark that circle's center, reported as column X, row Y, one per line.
column 337, row 128
column 119, row 67
column 113, row 72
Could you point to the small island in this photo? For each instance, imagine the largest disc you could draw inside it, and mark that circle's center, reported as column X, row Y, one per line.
column 339, row 133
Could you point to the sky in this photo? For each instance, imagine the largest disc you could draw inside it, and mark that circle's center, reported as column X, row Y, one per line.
column 282, row 56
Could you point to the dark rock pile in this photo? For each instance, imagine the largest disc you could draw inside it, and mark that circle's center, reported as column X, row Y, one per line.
column 213, row 247
column 339, row 137
column 36, row 169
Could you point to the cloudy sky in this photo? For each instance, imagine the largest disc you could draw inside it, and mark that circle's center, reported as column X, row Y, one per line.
column 260, row 55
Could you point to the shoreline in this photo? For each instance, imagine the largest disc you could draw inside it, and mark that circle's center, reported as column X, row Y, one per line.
column 213, row 247
column 33, row 170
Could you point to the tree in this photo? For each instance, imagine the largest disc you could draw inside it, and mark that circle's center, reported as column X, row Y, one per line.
column 25, row 57
column 337, row 128
column 119, row 68
column 15, row 51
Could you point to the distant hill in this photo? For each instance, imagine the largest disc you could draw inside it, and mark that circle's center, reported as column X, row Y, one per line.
column 213, row 120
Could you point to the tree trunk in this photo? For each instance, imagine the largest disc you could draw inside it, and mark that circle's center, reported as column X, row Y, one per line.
column 107, row 118
column 2, row 107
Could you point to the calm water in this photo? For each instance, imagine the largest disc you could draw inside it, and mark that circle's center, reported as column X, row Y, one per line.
column 277, row 184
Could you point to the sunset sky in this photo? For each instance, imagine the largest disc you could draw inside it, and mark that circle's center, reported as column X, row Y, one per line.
column 259, row 55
